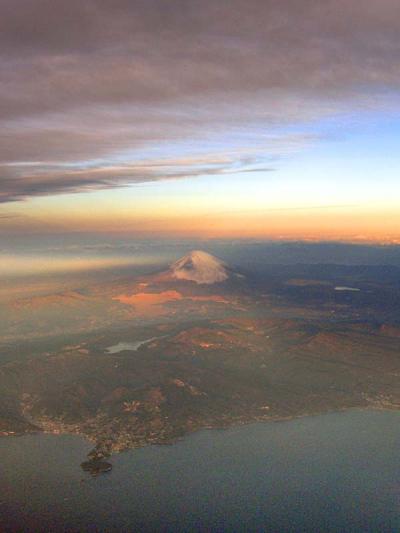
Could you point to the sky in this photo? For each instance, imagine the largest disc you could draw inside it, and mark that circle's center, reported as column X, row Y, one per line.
column 275, row 119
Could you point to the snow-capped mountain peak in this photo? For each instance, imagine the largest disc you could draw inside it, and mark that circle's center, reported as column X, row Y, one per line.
column 200, row 267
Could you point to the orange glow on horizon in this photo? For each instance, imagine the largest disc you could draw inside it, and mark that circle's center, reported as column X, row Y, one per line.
column 347, row 224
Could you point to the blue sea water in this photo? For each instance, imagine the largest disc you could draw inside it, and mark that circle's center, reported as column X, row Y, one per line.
column 336, row 472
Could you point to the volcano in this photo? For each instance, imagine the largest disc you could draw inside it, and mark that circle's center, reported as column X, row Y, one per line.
column 200, row 267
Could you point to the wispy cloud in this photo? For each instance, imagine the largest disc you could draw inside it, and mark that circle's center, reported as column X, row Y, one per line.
column 6, row 216
column 56, row 180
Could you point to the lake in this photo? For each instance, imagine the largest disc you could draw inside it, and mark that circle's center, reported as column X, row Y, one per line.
column 334, row 472
column 129, row 346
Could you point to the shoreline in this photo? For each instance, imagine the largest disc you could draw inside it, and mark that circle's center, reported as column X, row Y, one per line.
column 235, row 424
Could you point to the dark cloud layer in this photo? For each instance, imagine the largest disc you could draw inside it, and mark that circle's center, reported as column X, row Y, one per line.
column 89, row 79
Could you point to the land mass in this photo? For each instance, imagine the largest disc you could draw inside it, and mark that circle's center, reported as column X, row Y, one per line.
column 205, row 355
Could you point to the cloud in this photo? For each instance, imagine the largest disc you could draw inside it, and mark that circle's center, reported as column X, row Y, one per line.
column 6, row 216
column 90, row 79
column 57, row 179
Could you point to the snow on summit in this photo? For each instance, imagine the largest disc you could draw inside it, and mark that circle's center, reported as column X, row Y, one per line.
column 200, row 267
